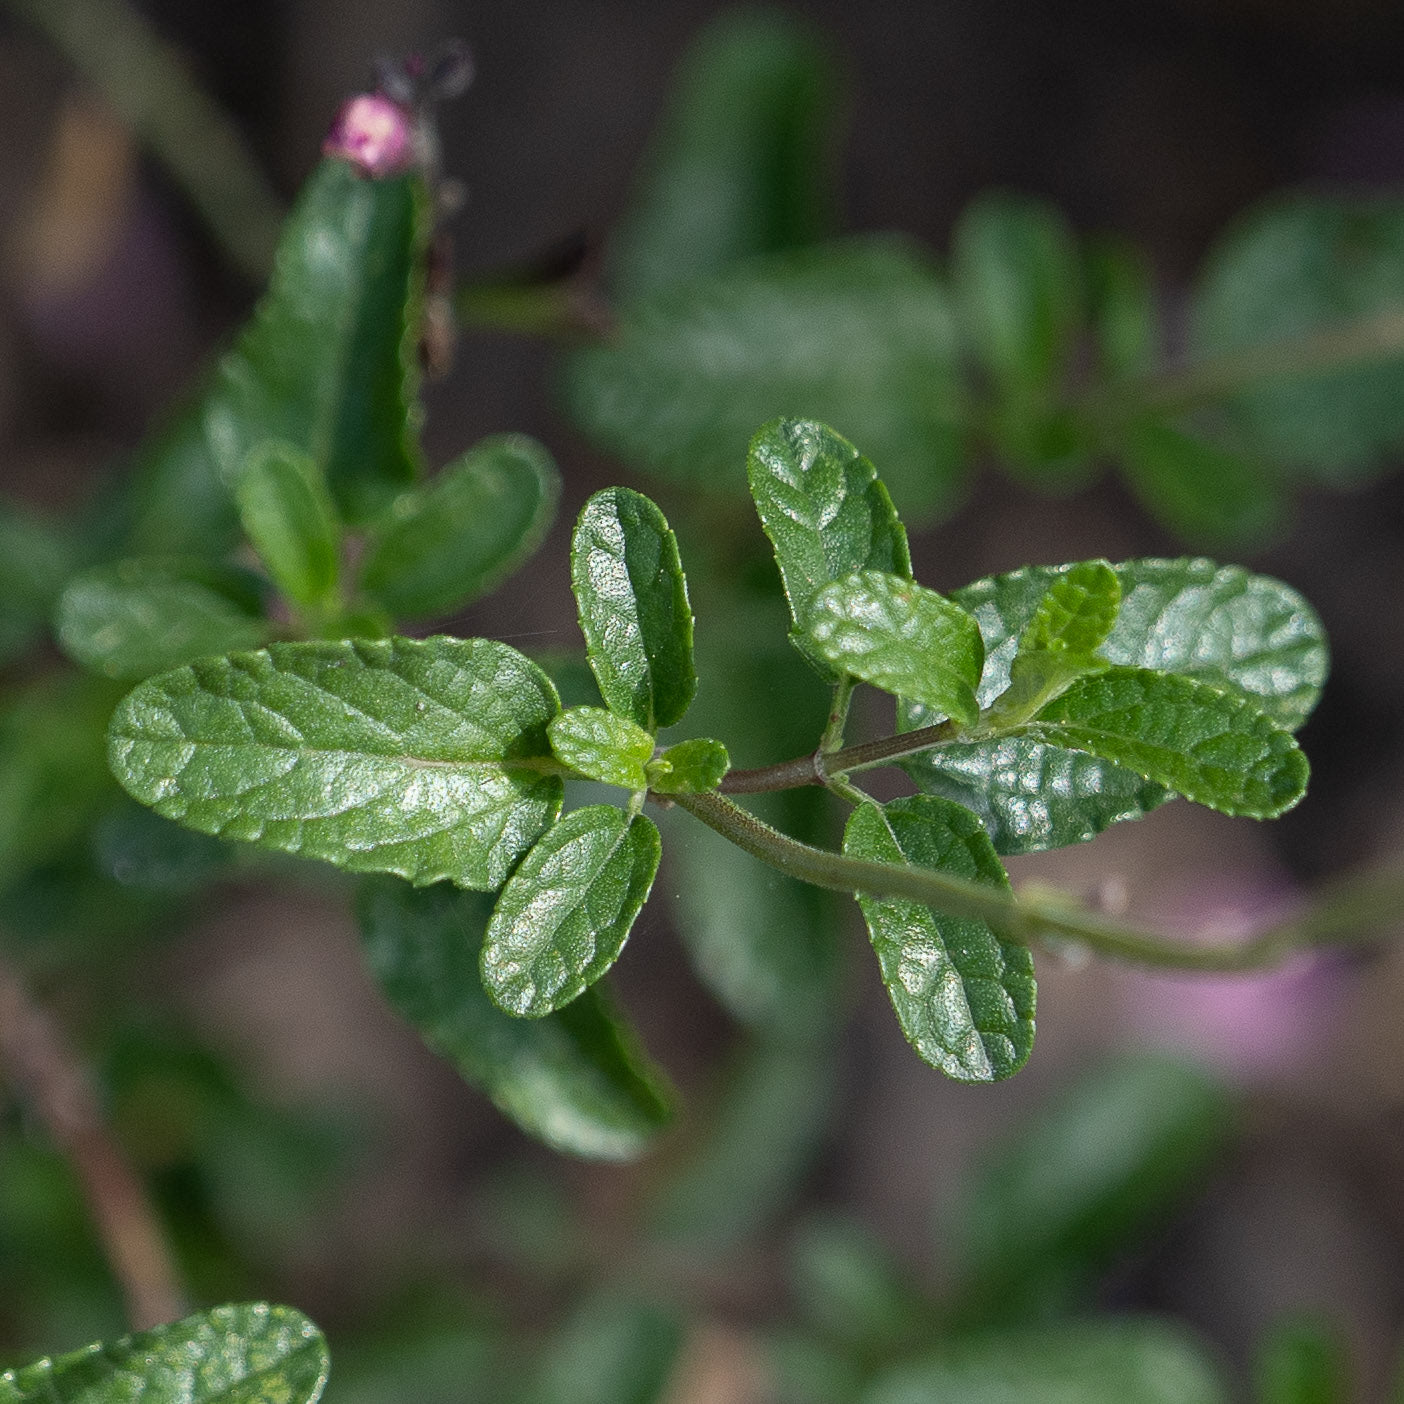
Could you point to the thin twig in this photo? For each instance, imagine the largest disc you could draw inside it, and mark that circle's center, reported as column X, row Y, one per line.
column 45, row 1071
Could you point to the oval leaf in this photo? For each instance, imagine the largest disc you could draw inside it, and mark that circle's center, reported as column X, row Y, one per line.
column 602, row 746
column 691, row 767
column 565, row 913
column 427, row 758
column 964, row 997
column 577, row 1080
column 901, row 637
column 253, row 1354
column 460, row 535
column 1077, row 612
column 288, row 516
column 634, row 612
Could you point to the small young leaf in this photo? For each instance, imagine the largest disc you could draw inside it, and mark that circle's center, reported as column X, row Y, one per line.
column 427, row 758
column 288, row 515
column 602, row 746
column 1215, row 748
column 901, row 637
column 576, row 1080
column 634, row 612
column 454, row 539
column 825, row 511
column 963, row 996
column 565, row 913
column 1077, row 613
column 256, row 1354
column 691, row 767
column 144, row 615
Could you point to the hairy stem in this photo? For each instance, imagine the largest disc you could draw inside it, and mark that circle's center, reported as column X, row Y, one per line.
column 42, row 1067
column 1352, row 910
column 818, row 768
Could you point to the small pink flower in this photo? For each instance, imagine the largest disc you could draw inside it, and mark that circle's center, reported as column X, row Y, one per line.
column 375, row 134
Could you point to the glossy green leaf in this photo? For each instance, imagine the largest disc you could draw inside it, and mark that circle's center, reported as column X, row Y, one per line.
column 1081, row 1182
column 634, row 613
column 426, row 758
column 825, row 511
column 602, row 746
column 901, row 637
column 36, row 557
column 1303, row 1360
column 1297, row 267
column 254, row 1354
column 443, row 545
column 739, row 163
column 1206, row 494
column 963, row 996
column 691, row 767
column 1107, row 1360
column 613, row 1350
column 577, row 1080
column 1215, row 748
column 146, row 614
column 1222, row 625
column 287, row 514
column 857, row 334
column 1122, row 309
column 565, row 913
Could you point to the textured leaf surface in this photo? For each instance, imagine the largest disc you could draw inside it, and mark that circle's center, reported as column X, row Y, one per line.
column 1215, row 748
column 634, row 613
column 576, row 1080
column 1112, row 1360
column 963, row 996
column 901, row 637
column 690, row 767
column 255, row 1354
column 825, row 511
column 602, row 746
column 141, row 616
column 857, row 334
column 424, row 758
column 1220, row 624
column 565, row 913
column 456, row 538
column 1077, row 612
column 288, row 516
column 739, row 162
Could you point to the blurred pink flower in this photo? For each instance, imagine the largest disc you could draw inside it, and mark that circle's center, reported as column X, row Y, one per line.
column 375, row 134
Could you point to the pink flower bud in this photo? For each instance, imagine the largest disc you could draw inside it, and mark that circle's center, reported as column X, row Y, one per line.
column 375, row 134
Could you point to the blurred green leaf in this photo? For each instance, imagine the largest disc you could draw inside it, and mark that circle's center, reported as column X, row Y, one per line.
column 806, row 1370
column 1082, row 1182
column 288, row 515
column 633, row 605
column 602, row 746
column 139, row 849
column 457, row 537
column 857, row 334
column 1121, row 308
column 1302, row 1361
column 963, row 996
column 36, row 557
column 691, row 767
column 146, row 614
column 613, row 1350
column 424, row 758
column 740, row 163
column 576, row 1080
column 255, row 1354
column 565, row 913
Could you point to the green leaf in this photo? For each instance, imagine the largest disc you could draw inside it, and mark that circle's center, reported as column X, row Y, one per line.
column 901, row 637
column 634, row 612
column 1207, row 494
column 35, row 559
column 144, row 615
column 614, row 1350
column 1222, row 625
column 1080, row 1183
column 825, row 511
column 691, row 767
column 427, row 758
column 602, row 746
column 456, row 538
column 740, row 162
column 1215, row 748
column 1303, row 1360
column 963, row 996
column 1122, row 309
column 577, row 1080
column 565, row 913
column 1297, row 267
column 253, row 1354
column 857, row 334
column 1107, row 1360
column 288, row 515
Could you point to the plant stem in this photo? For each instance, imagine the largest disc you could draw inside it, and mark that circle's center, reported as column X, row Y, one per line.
column 818, row 768
column 41, row 1065
column 1349, row 911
